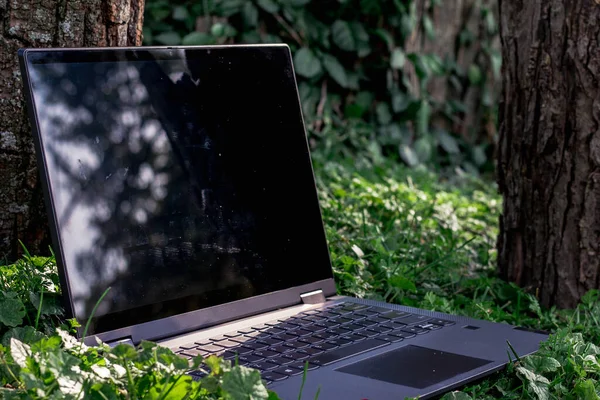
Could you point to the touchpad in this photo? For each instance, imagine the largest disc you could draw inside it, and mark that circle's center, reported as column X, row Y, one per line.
column 414, row 366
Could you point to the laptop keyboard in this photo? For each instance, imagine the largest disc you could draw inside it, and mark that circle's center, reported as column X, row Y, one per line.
column 282, row 348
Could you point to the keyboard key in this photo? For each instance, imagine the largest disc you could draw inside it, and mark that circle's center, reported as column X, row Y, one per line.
column 354, row 327
column 428, row 326
column 280, row 360
column 324, row 335
column 310, row 351
column 314, row 318
column 393, row 314
column 199, row 373
column 286, row 326
column 255, row 345
column 265, row 353
column 302, row 364
column 273, row 331
column 327, row 324
column 263, row 365
column 300, row 332
column 355, row 306
column 228, row 344
column 314, row 328
column 368, row 333
column 342, row 320
column 246, row 331
column 257, row 335
column 210, row 348
column 250, row 358
column 188, row 346
column 310, row 340
column 413, row 319
column 339, row 331
column 355, row 317
column 379, row 329
column 300, row 322
column 339, row 342
column 193, row 353
column 377, row 319
column 311, row 312
column 441, row 322
column 389, row 338
column 218, row 338
column 366, row 323
column 273, row 376
column 324, row 346
column 278, row 348
column 285, row 337
column 289, row 371
column 354, row 337
column 230, row 355
column 403, row 335
column 269, row 341
column 260, row 327
column 295, row 356
column 295, row 344
column 414, row 329
column 232, row 334
column 393, row 325
column 332, row 356
column 377, row 310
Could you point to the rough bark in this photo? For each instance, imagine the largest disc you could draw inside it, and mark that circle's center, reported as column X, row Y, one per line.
column 549, row 156
column 47, row 23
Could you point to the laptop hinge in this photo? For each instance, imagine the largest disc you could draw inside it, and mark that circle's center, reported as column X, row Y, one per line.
column 126, row 340
column 314, row 297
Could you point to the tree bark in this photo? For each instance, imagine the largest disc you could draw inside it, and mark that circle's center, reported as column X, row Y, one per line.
column 549, row 150
column 48, row 23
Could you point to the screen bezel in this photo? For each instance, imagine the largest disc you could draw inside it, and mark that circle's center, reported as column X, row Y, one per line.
column 185, row 321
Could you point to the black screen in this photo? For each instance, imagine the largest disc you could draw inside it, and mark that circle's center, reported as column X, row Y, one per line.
column 179, row 178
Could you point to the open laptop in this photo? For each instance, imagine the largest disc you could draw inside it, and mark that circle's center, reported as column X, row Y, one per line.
column 180, row 177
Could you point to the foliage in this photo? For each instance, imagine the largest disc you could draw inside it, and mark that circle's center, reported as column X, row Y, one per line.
column 359, row 67
column 397, row 234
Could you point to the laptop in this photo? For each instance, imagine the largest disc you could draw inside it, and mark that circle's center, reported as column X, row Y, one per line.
column 181, row 179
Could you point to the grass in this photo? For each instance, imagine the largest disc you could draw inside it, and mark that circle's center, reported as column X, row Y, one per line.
column 397, row 235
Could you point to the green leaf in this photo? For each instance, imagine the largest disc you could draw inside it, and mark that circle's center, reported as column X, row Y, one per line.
column 243, row 383
column 306, row 63
column 335, row 70
column 384, row 116
column 586, row 390
column 296, row 3
column 423, row 116
column 180, row 13
column 408, row 155
column 536, row 384
column 456, row 396
column 50, row 303
column 448, row 142
column 428, row 27
column 250, row 14
column 479, row 156
column 197, row 38
column 403, row 283
column 12, row 311
column 168, row 38
column 475, row 75
column 25, row 334
column 423, row 149
column 269, row 6
column 541, row 364
column 400, row 101
column 398, row 58
column 342, row 35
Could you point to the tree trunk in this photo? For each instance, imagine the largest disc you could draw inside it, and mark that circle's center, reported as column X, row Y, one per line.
column 549, row 156
column 48, row 23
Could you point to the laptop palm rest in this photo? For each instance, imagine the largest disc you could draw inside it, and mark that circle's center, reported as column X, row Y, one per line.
column 414, row 366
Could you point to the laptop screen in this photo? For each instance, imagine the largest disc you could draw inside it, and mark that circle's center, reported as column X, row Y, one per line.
column 181, row 179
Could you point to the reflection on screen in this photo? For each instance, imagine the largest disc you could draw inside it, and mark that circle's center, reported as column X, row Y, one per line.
column 180, row 182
